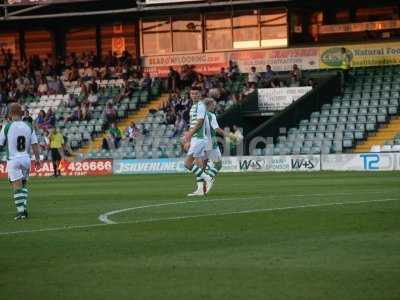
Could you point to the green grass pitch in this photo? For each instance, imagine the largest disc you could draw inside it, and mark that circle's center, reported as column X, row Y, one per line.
column 256, row 236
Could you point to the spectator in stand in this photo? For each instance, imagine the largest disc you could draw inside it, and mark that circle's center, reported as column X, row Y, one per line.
column 297, row 72
column 115, row 135
column 76, row 115
column 2, row 59
column 110, row 113
column 56, row 86
column 276, row 83
column 180, row 125
column 132, row 132
column 222, row 75
column 22, row 84
column 71, row 101
column 253, row 76
column 42, row 87
column 40, row 120
column 233, row 70
column 93, row 98
column 312, row 83
column 268, row 75
column 173, row 79
column 50, row 119
column 199, row 82
column 85, row 108
column 27, row 118
column 145, row 82
column 250, row 88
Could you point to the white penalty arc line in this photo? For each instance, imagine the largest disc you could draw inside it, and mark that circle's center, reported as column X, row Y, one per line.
column 105, row 218
column 199, row 216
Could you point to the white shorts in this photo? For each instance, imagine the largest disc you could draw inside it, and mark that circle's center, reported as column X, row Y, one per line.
column 18, row 168
column 214, row 154
column 197, row 147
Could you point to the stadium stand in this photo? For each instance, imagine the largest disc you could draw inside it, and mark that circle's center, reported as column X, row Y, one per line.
column 369, row 101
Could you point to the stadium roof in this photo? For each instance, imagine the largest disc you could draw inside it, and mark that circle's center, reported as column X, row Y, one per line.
column 43, row 9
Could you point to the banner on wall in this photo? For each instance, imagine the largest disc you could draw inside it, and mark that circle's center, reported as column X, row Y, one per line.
column 7, row 43
column 118, row 45
column 206, row 63
column 209, row 63
column 100, row 167
column 279, row 59
column 361, row 55
column 277, row 99
column 361, row 162
column 283, row 163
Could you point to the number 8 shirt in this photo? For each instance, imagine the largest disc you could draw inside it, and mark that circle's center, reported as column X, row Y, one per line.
column 18, row 137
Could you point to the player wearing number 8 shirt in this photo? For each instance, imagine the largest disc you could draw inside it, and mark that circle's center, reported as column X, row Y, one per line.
column 18, row 137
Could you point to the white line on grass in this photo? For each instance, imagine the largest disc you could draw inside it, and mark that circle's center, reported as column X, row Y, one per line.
column 199, row 216
column 105, row 218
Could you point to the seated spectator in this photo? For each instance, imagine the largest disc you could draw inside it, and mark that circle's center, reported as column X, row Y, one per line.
column 180, row 125
column 85, row 108
column 276, row 83
column 40, row 120
column 268, row 75
column 312, row 83
column 173, row 79
column 27, row 118
column 115, row 135
column 76, row 115
column 222, row 75
column 250, row 88
column 132, row 132
column 199, row 82
column 50, row 119
column 56, row 86
column 110, row 113
column 93, row 98
column 145, row 82
column 42, row 87
column 253, row 76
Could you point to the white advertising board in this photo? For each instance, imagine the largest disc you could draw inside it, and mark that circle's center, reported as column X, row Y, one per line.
column 276, row 99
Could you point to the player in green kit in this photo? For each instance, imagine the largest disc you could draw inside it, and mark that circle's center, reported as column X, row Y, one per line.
column 18, row 137
column 198, row 142
column 213, row 157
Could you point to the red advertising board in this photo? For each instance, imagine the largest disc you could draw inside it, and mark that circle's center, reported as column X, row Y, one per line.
column 77, row 168
column 210, row 63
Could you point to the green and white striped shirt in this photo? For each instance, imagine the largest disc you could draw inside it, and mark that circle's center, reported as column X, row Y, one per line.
column 197, row 112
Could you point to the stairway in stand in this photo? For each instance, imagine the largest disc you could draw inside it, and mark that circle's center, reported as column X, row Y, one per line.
column 135, row 116
column 382, row 135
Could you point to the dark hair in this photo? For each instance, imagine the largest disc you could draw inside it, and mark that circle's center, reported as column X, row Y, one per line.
column 195, row 88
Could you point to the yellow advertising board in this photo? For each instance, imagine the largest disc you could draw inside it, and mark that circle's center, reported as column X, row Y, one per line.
column 363, row 55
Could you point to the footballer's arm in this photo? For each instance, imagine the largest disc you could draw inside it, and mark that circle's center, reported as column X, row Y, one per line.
column 220, row 131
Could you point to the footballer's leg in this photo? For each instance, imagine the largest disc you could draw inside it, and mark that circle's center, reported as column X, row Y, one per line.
column 15, row 175
column 194, row 163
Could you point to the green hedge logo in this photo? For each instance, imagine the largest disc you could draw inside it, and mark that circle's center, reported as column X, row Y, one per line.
column 333, row 57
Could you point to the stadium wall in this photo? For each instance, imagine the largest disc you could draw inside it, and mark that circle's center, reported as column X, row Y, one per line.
column 239, row 164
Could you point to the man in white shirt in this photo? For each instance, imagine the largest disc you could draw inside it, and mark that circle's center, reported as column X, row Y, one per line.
column 18, row 137
column 253, row 76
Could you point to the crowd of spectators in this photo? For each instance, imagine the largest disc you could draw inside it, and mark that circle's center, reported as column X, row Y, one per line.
column 37, row 76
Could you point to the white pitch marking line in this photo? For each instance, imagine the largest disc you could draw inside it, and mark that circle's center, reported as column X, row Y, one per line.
column 105, row 218
column 199, row 216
